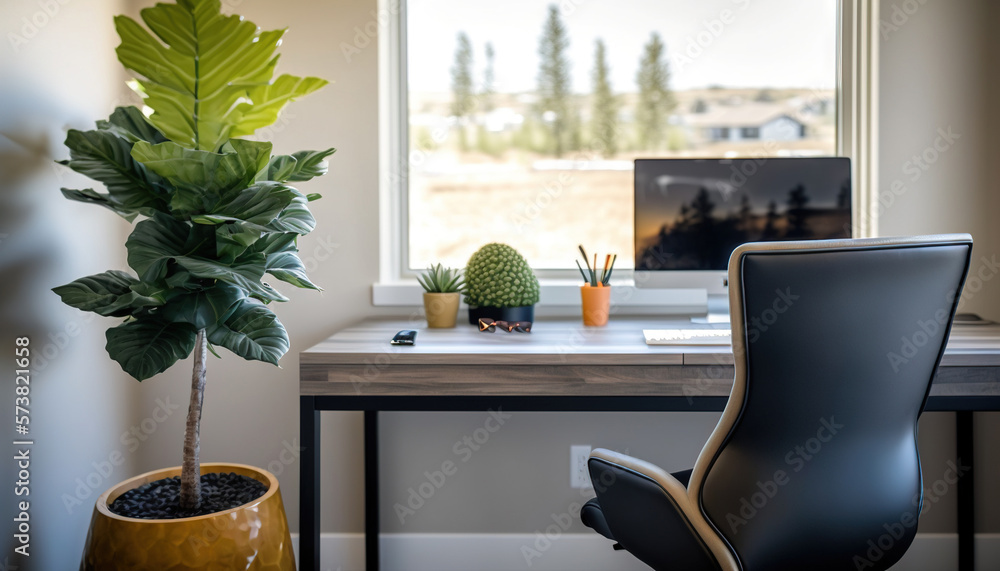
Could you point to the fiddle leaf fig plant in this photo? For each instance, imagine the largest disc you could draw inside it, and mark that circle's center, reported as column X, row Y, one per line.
column 217, row 212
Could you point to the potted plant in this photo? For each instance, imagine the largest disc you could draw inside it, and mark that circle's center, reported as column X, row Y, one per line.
column 441, row 295
column 499, row 284
column 218, row 212
column 595, row 293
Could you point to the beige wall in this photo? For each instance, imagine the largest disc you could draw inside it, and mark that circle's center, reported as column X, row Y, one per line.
column 58, row 70
column 939, row 72
column 936, row 74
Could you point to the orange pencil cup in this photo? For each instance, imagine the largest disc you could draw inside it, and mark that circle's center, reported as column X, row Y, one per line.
column 596, row 304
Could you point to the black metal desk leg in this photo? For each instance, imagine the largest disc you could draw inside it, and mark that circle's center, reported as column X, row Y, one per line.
column 309, row 489
column 371, row 490
column 965, row 436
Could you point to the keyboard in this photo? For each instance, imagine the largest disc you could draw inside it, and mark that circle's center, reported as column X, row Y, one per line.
column 687, row 336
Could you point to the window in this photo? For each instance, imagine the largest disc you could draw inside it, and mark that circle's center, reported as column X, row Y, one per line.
column 520, row 124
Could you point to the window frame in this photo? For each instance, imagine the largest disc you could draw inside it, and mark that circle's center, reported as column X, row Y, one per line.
column 857, row 136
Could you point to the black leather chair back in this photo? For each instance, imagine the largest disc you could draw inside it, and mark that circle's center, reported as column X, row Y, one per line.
column 819, row 468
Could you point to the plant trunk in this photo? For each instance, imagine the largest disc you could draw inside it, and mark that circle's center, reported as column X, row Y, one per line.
column 191, row 466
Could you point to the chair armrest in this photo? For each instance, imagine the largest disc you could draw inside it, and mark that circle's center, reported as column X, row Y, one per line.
column 652, row 515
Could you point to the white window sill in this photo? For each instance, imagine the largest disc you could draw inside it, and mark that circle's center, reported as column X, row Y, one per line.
column 564, row 293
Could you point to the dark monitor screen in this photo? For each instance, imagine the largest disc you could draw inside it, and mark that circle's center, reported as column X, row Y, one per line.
column 690, row 214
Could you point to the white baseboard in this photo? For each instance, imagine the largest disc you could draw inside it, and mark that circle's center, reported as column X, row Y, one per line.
column 575, row 552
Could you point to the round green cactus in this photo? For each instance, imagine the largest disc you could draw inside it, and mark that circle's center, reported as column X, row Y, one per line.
column 497, row 276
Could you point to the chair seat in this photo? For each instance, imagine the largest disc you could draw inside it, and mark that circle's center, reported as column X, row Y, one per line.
column 592, row 516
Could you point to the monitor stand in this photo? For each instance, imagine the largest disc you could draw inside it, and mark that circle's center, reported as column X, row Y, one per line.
column 717, row 310
column 711, row 318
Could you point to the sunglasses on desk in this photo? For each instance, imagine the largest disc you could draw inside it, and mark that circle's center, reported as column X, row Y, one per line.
column 487, row 324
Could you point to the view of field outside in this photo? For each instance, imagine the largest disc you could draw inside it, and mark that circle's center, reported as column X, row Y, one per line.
column 525, row 117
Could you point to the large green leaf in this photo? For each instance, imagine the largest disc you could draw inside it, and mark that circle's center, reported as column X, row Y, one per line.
column 279, row 169
column 233, row 238
column 130, row 123
column 105, row 157
column 205, row 72
column 298, row 167
column 90, row 196
column 149, row 345
column 201, row 177
column 245, row 275
column 267, row 244
column 295, row 218
column 287, row 267
column 181, row 280
column 204, row 309
column 107, row 294
column 153, row 243
column 267, row 100
column 257, row 204
column 311, row 164
column 155, row 291
column 275, row 242
column 156, row 242
column 252, row 332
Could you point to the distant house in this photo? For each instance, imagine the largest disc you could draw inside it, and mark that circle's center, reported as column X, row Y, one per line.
column 747, row 122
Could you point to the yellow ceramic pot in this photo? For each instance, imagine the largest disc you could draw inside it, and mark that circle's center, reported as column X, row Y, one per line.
column 441, row 309
column 253, row 536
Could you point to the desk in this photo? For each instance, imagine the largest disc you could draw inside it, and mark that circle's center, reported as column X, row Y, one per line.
column 563, row 366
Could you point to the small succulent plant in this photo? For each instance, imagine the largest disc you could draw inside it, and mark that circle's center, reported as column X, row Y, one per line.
column 439, row 279
column 498, row 276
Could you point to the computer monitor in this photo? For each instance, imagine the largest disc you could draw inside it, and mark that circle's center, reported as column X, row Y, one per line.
column 690, row 214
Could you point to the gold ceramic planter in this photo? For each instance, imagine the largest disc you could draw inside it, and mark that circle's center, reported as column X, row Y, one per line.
column 254, row 536
column 441, row 309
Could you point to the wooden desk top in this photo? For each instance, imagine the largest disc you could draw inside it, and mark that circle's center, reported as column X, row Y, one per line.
column 566, row 359
column 563, row 341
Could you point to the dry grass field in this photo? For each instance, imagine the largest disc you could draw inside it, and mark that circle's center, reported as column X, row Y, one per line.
column 544, row 214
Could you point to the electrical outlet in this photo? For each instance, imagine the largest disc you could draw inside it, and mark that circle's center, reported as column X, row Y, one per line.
column 579, row 475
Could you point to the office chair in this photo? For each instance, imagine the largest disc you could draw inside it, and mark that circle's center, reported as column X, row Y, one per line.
column 814, row 462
